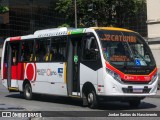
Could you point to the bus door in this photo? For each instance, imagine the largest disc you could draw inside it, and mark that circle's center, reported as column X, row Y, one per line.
column 12, row 63
column 73, row 65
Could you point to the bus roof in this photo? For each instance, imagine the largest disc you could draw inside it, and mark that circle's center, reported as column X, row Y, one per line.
column 63, row 31
column 112, row 28
column 51, row 32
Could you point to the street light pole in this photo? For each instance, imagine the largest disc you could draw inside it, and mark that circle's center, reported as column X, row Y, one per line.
column 75, row 12
column 31, row 16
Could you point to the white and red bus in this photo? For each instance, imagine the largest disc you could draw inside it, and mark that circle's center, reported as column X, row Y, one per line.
column 95, row 64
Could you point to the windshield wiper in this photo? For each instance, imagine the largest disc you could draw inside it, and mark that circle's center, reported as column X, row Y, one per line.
column 138, row 55
column 131, row 56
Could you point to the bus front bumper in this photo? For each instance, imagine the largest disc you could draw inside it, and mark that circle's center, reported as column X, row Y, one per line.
column 114, row 88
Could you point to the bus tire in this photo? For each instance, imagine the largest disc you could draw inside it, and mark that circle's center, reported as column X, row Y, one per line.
column 134, row 103
column 92, row 99
column 28, row 91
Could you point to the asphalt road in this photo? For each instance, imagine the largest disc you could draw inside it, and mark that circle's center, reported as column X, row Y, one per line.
column 15, row 101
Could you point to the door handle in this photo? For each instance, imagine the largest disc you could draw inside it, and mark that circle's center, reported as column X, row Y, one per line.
column 52, row 82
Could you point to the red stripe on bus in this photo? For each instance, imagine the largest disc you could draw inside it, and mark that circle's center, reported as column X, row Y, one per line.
column 132, row 77
column 15, row 38
column 20, row 74
column 14, row 72
column 4, row 71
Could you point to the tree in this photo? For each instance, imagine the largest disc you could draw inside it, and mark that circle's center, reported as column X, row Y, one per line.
column 3, row 9
column 99, row 12
column 64, row 25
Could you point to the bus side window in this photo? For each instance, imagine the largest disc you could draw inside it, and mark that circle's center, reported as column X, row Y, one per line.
column 15, row 53
column 90, row 48
column 42, row 50
column 27, row 51
column 58, row 48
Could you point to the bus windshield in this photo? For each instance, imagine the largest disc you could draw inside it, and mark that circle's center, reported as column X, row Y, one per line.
column 125, row 49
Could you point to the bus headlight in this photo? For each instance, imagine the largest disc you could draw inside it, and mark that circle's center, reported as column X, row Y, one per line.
column 114, row 75
column 154, row 77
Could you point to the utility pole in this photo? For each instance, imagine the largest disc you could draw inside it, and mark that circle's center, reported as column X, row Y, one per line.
column 31, row 16
column 75, row 12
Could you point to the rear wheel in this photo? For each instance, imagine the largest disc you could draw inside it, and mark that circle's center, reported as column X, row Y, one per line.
column 28, row 91
column 134, row 103
column 92, row 99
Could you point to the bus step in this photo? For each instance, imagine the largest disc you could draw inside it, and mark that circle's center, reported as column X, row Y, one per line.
column 13, row 89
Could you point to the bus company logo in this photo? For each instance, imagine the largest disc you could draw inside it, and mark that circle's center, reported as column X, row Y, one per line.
column 48, row 72
column 60, row 70
column 43, row 71
column 147, row 78
column 54, row 72
column 127, row 77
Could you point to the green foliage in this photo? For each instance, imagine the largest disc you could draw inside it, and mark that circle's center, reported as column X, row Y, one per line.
column 101, row 12
column 64, row 25
column 3, row 9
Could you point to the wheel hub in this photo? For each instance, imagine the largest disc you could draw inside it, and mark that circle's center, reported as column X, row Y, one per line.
column 28, row 92
column 90, row 97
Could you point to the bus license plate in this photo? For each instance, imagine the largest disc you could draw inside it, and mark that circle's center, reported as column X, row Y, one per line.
column 137, row 90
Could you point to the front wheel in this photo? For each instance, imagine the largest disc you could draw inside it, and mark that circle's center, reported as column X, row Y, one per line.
column 92, row 99
column 28, row 92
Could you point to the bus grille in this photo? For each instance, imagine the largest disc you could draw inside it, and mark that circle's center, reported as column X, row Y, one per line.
column 134, row 82
column 130, row 90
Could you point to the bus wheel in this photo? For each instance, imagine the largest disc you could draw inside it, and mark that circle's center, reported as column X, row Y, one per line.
column 28, row 92
column 92, row 100
column 134, row 103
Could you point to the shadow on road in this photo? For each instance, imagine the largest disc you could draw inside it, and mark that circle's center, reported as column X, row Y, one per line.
column 78, row 102
column 124, row 106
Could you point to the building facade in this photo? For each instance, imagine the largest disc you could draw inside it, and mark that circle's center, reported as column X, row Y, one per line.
column 26, row 16
column 153, row 21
